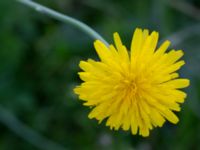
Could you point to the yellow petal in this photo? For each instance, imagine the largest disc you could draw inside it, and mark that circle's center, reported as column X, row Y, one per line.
column 177, row 83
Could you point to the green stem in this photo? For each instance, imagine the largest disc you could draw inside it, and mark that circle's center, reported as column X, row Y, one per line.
column 64, row 18
column 26, row 133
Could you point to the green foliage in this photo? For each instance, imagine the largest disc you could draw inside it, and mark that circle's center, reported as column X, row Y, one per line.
column 39, row 64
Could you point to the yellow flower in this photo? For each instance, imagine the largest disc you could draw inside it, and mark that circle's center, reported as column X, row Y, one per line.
column 135, row 90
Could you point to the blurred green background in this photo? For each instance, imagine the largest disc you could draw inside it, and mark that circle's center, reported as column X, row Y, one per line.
column 39, row 63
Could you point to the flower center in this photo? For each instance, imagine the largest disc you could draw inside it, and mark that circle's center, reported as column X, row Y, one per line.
column 130, row 86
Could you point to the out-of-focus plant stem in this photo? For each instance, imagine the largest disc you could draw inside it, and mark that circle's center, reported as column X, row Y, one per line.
column 185, row 7
column 64, row 18
column 183, row 34
column 28, row 134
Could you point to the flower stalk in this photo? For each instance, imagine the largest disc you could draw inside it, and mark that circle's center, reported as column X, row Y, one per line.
column 64, row 18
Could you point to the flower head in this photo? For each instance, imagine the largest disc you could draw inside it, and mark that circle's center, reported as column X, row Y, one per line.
column 136, row 90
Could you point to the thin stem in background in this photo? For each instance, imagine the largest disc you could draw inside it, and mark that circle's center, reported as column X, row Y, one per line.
column 64, row 18
column 180, row 36
column 25, row 132
column 185, row 8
